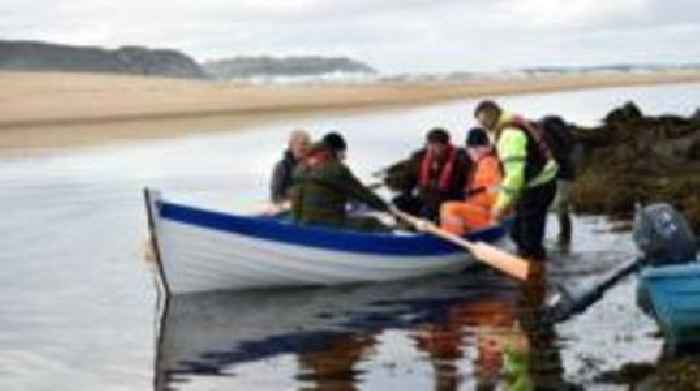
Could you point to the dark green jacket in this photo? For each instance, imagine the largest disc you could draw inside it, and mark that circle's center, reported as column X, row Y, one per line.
column 319, row 195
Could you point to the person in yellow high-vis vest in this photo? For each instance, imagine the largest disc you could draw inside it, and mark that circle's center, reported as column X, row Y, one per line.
column 529, row 177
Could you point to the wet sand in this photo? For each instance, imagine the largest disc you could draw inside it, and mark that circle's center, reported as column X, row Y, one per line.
column 55, row 110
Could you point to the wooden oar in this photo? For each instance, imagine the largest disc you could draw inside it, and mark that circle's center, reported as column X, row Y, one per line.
column 508, row 263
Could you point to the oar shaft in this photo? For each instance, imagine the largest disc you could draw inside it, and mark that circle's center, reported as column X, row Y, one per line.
column 508, row 263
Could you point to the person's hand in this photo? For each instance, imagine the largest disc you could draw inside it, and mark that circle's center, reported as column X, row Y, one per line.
column 395, row 213
column 270, row 210
column 276, row 208
column 393, row 210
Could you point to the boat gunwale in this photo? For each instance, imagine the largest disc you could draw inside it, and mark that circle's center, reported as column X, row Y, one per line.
column 272, row 229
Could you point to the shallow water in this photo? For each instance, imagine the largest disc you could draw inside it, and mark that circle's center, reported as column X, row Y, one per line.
column 78, row 305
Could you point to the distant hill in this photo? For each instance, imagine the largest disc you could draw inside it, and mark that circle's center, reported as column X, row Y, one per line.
column 247, row 67
column 133, row 60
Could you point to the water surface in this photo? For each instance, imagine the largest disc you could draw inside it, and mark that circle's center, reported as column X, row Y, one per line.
column 78, row 306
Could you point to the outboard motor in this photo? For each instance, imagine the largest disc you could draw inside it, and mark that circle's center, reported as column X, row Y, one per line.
column 664, row 236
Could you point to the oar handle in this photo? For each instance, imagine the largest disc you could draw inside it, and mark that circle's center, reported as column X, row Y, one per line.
column 418, row 223
column 508, row 263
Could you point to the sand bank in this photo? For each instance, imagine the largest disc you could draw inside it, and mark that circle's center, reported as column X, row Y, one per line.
column 46, row 110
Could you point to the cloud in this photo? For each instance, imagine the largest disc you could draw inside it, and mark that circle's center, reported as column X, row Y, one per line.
column 393, row 35
column 573, row 14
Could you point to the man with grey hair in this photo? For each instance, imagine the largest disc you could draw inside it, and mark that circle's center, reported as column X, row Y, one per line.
column 299, row 142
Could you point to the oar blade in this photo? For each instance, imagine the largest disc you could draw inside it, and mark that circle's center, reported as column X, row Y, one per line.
column 508, row 263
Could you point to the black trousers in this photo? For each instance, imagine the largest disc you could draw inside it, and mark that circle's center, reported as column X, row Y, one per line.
column 418, row 207
column 531, row 219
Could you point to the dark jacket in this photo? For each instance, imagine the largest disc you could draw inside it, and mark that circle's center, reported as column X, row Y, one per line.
column 320, row 194
column 429, row 197
column 567, row 170
column 567, row 167
column 282, row 178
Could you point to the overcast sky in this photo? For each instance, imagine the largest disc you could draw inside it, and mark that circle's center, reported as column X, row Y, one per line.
column 391, row 35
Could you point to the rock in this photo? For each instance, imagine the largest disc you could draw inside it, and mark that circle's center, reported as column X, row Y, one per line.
column 635, row 158
column 694, row 151
column 628, row 112
column 696, row 115
column 134, row 60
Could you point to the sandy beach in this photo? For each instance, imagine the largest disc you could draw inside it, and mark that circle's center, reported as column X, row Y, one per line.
column 54, row 110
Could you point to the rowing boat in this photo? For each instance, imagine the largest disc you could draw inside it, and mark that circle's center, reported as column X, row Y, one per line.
column 200, row 249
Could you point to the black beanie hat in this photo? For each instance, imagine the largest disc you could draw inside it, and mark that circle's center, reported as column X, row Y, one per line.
column 335, row 141
column 438, row 135
column 486, row 105
column 477, row 137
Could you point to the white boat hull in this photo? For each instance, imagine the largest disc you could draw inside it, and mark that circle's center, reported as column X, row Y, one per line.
column 202, row 250
column 197, row 259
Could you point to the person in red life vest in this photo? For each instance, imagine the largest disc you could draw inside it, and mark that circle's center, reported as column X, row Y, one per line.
column 481, row 191
column 434, row 175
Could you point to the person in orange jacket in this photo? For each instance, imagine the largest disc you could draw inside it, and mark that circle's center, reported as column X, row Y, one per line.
column 481, row 192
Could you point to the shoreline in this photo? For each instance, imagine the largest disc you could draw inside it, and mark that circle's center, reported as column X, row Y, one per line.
column 61, row 110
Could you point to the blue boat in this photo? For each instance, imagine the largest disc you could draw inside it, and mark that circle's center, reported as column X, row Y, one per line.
column 673, row 294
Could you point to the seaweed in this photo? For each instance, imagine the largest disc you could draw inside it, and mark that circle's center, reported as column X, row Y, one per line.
column 632, row 158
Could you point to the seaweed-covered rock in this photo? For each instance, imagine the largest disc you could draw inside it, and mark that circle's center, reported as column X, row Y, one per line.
column 671, row 374
column 678, row 374
column 634, row 158
column 694, row 151
column 628, row 112
column 696, row 115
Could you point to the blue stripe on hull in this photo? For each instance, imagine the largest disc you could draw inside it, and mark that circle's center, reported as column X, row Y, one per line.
column 319, row 237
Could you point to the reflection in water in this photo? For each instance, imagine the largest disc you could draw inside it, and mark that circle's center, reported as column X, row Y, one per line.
column 477, row 331
column 515, row 343
column 489, row 321
column 331, row 330
column 494, row 324
column 535, row 361
column 333, row 368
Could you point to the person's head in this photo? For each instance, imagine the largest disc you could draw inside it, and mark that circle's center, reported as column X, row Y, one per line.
column 336, row 143
column 487, row 112
column 299, row 143
column 478, row 143
column 437, row 141
column 317, row 155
